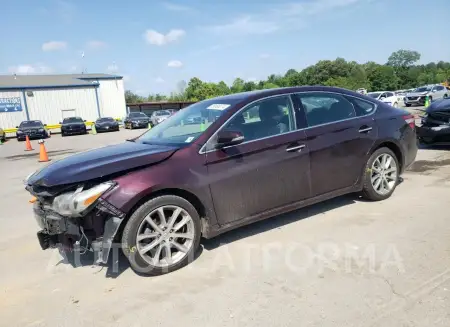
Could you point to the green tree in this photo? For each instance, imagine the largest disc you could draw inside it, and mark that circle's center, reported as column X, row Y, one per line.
column 238, row 85
column 131, row 97
column 403, row 58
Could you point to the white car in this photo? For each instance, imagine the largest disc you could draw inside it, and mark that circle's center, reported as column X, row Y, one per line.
column 387, row 97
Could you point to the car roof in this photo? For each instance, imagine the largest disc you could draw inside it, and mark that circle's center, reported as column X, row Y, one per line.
column 254, row 95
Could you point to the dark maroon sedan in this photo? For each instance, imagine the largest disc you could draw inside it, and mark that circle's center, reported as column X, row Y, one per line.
column 248, row 157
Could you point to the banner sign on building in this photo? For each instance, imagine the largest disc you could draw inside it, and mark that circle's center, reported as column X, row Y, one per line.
column 10, row 104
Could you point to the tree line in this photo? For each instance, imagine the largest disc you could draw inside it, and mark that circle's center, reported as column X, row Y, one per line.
column 401, row 71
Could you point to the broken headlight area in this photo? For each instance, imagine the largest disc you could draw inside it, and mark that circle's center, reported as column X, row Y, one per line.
column 78, row 220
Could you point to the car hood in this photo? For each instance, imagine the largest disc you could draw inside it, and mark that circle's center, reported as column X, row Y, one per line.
column 417, row 94
column 23, row 129
column 72, row 124
column 105, row 123
column 439, row 105
column 140, row 118
column 99, row 163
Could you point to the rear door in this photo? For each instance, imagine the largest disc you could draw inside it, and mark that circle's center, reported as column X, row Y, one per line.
column 268, row 170
column 340, row 132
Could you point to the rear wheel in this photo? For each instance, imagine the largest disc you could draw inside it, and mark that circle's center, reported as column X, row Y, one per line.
column 408, row 104
column 162, row 235
column 395, row 105
column 381, row 175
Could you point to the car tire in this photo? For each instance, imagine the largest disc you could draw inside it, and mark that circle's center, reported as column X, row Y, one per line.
column 395, row 105
column 445, row 96
column 408, row 104
column 370, row 191
column 63, row 134
column 133, row 251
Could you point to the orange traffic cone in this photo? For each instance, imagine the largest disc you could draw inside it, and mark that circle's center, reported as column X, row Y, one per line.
column 28, row 144
column 43, row 157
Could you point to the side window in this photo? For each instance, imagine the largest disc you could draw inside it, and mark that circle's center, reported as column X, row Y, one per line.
column 389, row 94
column 266, row 118
column 440, row 88
column 362, row 107
column 323, row 108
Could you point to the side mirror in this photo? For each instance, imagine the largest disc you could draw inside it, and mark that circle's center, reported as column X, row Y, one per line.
column 228, row 138
column 45, row 124
column 84, row 120
column 17, row 126
column 434, row 91
column 60, row 123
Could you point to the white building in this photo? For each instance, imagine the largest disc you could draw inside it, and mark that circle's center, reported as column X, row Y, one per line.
column 50, row 98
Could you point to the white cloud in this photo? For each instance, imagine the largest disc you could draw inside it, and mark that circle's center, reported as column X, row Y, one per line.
column 95, row 45
column 156, row 38
column 175, row 64
column 264, row 56
column 293, row 16
column 246, row 25
column 30, row 69
column 54, row 46
column 175, row 7
column 159, row 80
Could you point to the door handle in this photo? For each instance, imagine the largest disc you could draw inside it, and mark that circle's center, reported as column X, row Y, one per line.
column 295, row 148
column 365, row 129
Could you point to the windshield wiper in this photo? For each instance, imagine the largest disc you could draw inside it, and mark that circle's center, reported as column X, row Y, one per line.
column 130, row 140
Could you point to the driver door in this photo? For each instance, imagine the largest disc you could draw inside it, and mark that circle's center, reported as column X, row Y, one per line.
column 269, row 169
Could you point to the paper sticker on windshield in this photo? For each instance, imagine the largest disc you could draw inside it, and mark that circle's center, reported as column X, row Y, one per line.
column 189, row 139
column 218, row 106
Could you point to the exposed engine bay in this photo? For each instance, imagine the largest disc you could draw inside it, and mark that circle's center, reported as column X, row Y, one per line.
column 74, row 217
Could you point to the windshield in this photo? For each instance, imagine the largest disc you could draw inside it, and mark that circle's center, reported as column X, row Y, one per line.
column 162, row 113
column 374, row 94
column 31, row 123
column 188, row 124
column 104, row 120
column 72, row 120
column 137, row 115
column 423, row 89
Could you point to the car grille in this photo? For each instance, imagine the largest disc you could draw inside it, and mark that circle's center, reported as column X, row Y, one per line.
column 31, row 131
column 413, row 98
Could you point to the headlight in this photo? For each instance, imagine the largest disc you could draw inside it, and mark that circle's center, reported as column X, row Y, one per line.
column 41, row 129
column 75, row 203
column 19, row 132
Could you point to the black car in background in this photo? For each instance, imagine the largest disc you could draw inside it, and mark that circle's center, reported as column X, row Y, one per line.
column 136, row 120
column 73, row 125
column 435, row 123
column 33, row 128
column 106, row 124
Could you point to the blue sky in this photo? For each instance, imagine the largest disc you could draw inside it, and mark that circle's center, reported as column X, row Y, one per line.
column 154, row 44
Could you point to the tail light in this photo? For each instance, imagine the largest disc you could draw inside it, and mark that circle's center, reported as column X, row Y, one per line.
column 410, row 120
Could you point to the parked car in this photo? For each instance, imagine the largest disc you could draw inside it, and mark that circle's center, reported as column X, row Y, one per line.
column 159, row 116
column 136, row 120
column 385, row 96
column 158, row 193
column 435, row 123
column 106, row 124
column 33, row 128
column 73, row 125
column 2, row 135
column 434, row 92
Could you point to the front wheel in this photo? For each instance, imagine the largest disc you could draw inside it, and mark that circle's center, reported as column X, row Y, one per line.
column 381, row 175
column 395, row 105
column 162, row 235
column 408, row 104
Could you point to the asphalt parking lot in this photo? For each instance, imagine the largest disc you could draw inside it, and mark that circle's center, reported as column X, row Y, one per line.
column 344, row 262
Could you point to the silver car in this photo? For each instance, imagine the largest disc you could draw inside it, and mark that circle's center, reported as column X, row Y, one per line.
column 159, row 116
column 418, row 96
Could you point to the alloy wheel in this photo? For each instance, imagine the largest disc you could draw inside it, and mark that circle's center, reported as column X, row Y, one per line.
column 384, row 174
column 165, row 236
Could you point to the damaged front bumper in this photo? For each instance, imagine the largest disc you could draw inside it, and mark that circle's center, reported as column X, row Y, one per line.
column 93, row 232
